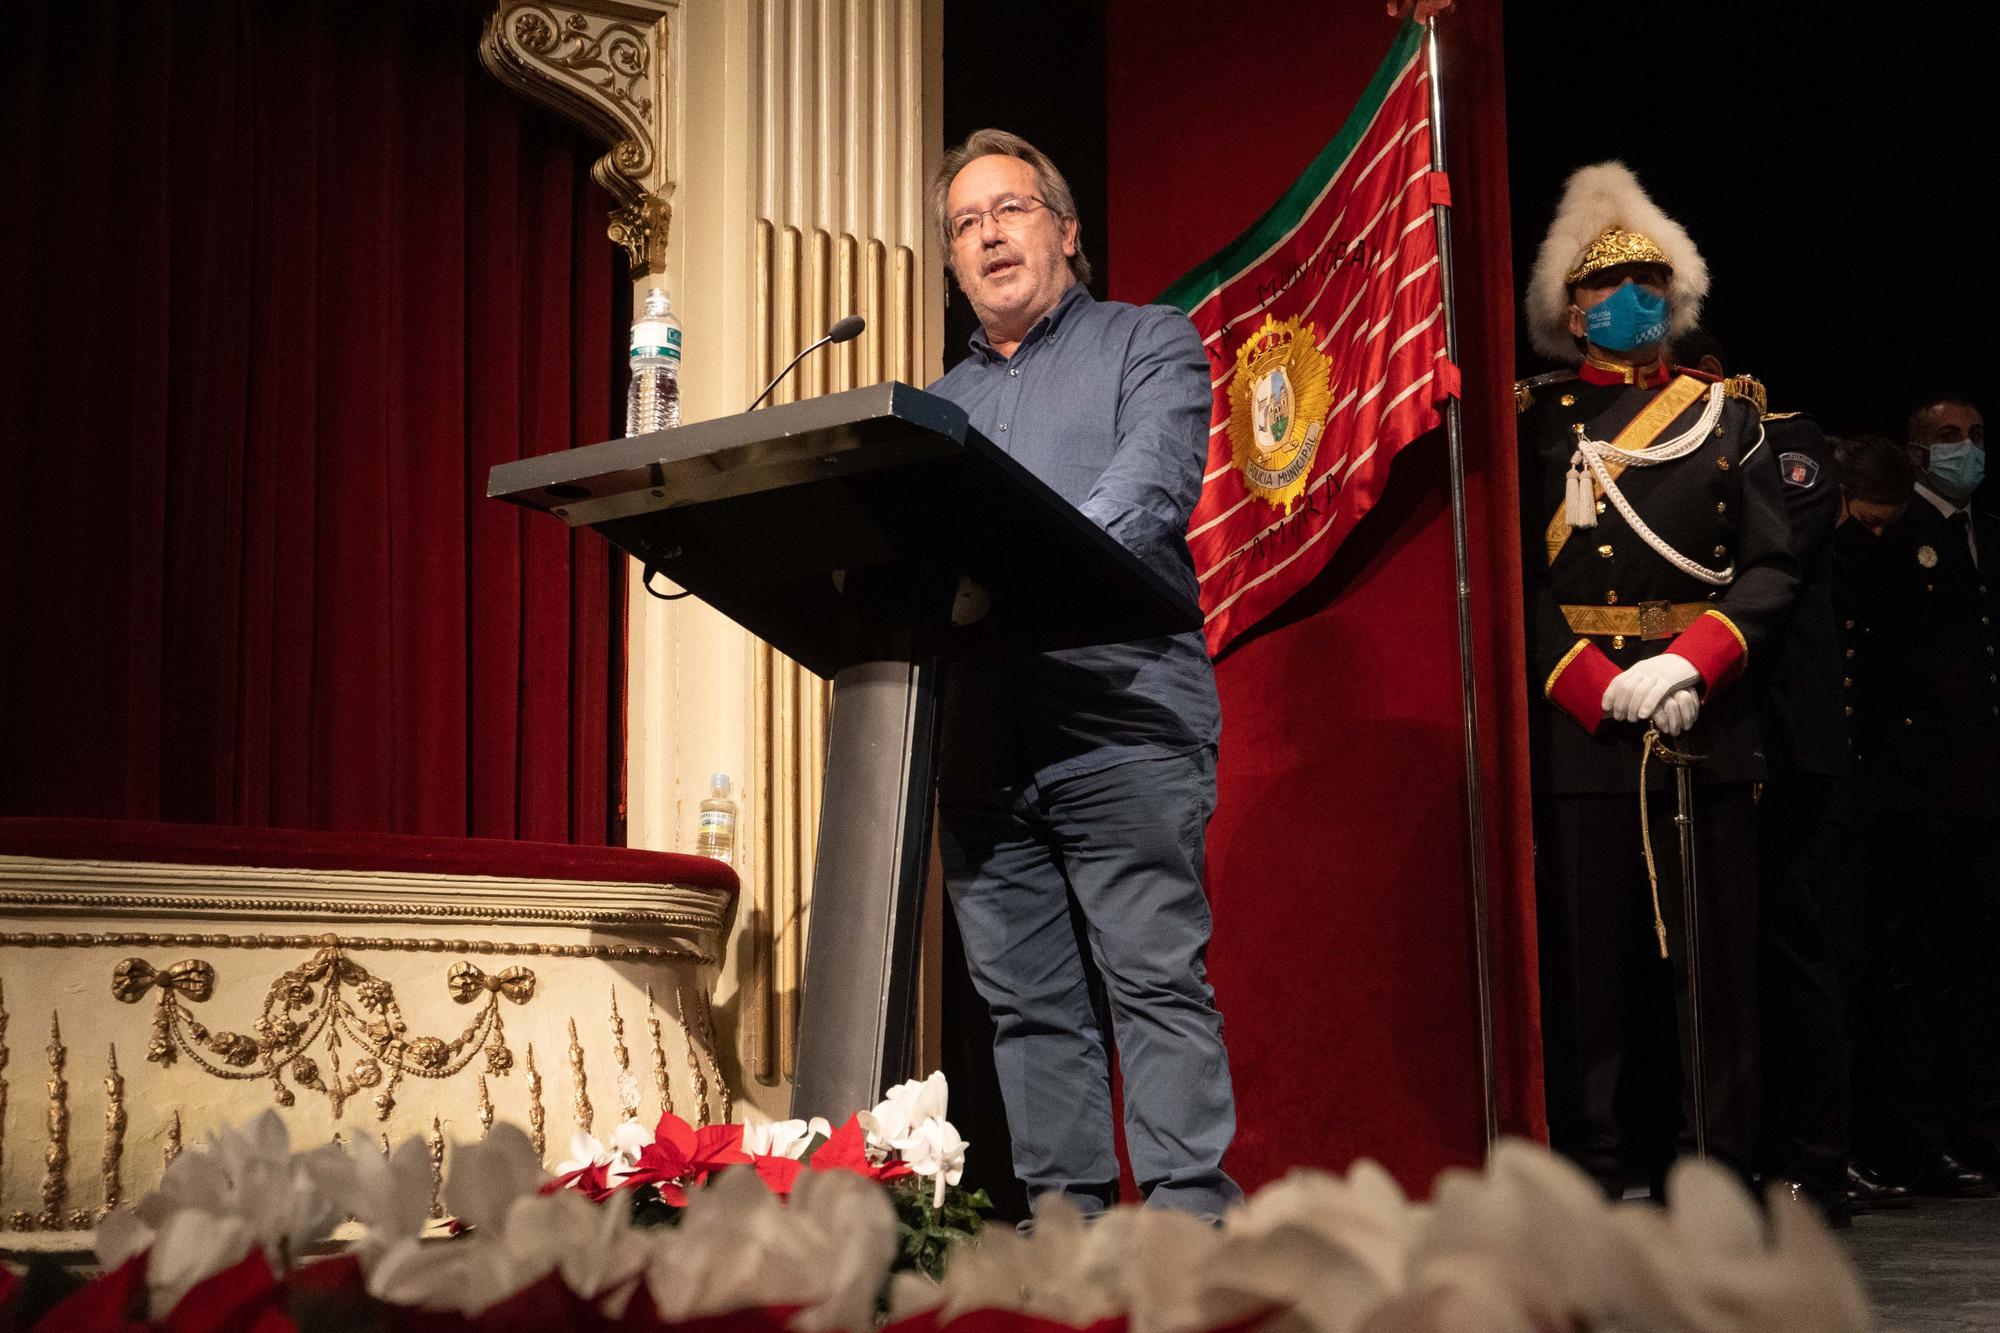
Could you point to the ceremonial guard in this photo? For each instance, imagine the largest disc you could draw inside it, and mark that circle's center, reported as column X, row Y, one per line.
column 1659, row 570
column 1933, row 791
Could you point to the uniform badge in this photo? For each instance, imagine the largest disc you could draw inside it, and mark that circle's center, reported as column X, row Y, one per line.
column 1927, row 557
column 1279, row 398
column 1799, row 470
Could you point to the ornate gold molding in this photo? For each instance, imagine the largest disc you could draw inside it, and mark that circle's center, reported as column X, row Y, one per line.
column 142, row 939
column 3, row 1085
column 602, row 65
column 205, row 893
column 55, row 1176
column 435, row 1143
column 538, row 1127
column 309, row 1004
column 580, row 1106
column 114, row 1137
column 628, row 1086
column 660, row 1082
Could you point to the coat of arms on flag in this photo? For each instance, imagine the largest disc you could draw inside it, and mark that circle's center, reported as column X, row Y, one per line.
column 1324, row 325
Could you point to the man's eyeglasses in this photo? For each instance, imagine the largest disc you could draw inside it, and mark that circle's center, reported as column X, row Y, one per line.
column 1009, row 214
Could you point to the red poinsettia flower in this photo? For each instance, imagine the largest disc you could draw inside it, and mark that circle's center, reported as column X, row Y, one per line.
column 847, row 1150
column 682, row 1154
column 593, row 1180
column 779, row 1173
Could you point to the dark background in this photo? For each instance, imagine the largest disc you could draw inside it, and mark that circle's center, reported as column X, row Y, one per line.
column 1036, row 68
column 1834, row 172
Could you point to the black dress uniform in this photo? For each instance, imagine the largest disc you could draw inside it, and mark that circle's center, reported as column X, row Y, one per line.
column 1604, row 601
column 1933, row 792
column 1808, row 919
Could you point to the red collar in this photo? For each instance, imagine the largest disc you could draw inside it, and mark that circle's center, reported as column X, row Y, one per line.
column 1593, row 371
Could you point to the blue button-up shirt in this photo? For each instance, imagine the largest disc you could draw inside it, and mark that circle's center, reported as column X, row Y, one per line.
column 1108, row 404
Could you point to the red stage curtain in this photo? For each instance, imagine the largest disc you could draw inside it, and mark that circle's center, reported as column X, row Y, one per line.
column 1342, row 954
column 280, row 282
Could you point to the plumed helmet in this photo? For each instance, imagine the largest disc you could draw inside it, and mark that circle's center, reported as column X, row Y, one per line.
column 1606, row 219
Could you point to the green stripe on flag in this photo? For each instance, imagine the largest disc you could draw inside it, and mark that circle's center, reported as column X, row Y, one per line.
column 1284, row 216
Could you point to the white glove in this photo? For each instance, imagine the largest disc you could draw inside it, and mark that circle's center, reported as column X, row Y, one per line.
column 1634, row 694
column 1677, row 713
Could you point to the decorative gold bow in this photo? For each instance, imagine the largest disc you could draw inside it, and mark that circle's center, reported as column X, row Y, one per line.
column 466, row 983
column 131, row 979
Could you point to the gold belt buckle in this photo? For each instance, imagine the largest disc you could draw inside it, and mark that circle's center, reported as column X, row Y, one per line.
column 1656, row 620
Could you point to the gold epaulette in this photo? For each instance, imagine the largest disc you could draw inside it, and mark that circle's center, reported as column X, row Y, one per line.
column 1747, row 388
column 1524, row 390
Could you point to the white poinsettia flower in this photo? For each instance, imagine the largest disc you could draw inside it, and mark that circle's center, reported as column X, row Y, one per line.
column 466, row 1274
column 584, row 1152
column 906, row 1106
column 853, row 1225
column 627, row 1141
column 1046, row 1273
column 1531, row 1234
column 486, row 1177
column 739, row 1247
column 594, row 1248
column 120, row 1236
column 389, row 1195
column 243, row 1188
column 1708, row 1262
column 785, row 1138
column 934, row 1150
column 191, row 1246
column 1332, row 1248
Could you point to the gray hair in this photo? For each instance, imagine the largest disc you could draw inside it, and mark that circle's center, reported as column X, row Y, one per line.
column 1048, row 181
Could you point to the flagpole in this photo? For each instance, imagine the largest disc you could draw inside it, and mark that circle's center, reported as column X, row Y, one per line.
column 1454, row 428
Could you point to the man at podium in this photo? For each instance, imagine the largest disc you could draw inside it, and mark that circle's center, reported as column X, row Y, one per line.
column 1076, row 786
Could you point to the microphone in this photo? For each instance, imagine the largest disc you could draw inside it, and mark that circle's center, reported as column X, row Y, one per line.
column 845, row 330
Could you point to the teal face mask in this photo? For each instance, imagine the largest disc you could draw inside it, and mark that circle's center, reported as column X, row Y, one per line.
column 1957, row 468
column 1628, row 319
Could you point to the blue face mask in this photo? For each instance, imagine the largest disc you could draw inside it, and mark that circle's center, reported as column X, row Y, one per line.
column 1628, row 319
column 1957, row 468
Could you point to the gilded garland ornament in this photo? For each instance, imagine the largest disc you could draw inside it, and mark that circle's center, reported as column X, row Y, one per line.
column 1279, row 398
column 326, row 1002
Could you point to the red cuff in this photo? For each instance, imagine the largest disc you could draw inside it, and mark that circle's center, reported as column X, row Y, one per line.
column 1578, row 683
column 1716, row 648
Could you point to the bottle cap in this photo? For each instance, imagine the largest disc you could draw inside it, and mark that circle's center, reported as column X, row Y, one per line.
column 718, row 782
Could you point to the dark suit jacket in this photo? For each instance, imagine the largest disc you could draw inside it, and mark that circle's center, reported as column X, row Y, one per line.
column 1803, row 725
column 1938, row 654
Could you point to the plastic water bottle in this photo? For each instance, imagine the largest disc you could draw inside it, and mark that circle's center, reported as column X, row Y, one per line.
column 653, row 401
column 715, row 829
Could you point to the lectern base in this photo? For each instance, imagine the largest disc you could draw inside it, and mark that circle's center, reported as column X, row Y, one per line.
column 856, row 1018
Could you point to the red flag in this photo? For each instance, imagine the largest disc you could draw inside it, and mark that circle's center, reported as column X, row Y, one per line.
column 1324, row 324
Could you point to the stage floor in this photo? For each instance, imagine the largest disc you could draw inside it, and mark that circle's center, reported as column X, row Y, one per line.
column 1932, row 1268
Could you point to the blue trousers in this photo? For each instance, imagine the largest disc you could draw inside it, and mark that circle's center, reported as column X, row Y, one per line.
column 1110, row 861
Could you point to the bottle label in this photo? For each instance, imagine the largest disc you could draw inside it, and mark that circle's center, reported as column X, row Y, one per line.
column 716, row 821
column 651, row 339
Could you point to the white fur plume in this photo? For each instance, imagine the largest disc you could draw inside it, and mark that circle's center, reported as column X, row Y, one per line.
column 1597, row 197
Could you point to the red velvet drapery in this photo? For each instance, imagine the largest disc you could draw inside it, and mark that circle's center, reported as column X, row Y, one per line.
column 280, row 282
column 1342, row 952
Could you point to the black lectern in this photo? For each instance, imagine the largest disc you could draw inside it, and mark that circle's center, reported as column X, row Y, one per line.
column 871, row 536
